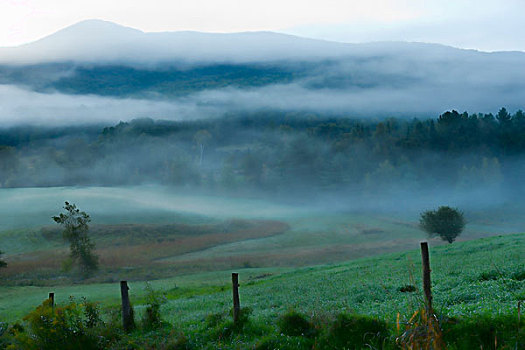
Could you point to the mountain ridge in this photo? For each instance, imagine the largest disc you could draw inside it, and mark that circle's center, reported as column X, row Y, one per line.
column 103, row 41
column 210, row 73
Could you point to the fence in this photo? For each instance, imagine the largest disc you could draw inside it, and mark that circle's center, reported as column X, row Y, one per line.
column 128, row 321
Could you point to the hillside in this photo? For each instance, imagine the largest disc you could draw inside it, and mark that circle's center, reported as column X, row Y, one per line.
column 470, row 279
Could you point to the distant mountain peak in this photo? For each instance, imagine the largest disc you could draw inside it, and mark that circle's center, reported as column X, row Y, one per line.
column 98, row 25
column 99, row 41
column 88, row 30
column 103, row 41
column 95, row 22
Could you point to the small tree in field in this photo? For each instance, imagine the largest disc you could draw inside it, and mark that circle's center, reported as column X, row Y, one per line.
column 445, row 222
column 75, row 224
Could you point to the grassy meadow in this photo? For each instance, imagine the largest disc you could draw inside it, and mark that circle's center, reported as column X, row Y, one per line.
column 474, row 278
column 149, row 233
column 289, row 257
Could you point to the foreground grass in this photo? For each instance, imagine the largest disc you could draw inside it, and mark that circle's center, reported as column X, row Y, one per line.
column 481, row 276
column 470, row 279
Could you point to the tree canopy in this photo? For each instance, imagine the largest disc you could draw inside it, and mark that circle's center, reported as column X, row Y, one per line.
column 75, row 224
column 275, row 151
column 445, row 222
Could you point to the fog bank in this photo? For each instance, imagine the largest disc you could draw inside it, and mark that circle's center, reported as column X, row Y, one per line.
column 21, row 106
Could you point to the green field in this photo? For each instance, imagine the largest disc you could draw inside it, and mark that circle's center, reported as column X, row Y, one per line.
column 146, row 233
column 315, row 261
column 367, row 285
column 479, row 277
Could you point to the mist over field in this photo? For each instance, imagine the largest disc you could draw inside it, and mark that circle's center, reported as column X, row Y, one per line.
column 318, row 124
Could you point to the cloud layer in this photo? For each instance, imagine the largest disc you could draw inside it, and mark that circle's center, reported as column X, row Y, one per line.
column 20, row 106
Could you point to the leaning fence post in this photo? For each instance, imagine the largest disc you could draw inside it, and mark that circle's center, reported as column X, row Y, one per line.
column 127, row 314
column 236, row 302
column 52, row 299
column 426, row 276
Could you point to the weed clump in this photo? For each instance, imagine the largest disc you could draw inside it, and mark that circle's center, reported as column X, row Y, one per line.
column 407, row 288
column 181, row 342
column 73, row 326
column 162, row 339
column 154, row 299
column 519, row 275
column 421, row 331
column 489, row 276
column 283, row 342
column 213, row 320
column 293, row 323
column 222, row 327
column 356, row 332
column 485, row 332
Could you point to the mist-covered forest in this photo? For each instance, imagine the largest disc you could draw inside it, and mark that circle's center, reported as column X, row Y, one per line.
column 276, row 153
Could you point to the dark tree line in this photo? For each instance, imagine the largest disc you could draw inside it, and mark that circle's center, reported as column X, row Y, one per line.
column 272, row 151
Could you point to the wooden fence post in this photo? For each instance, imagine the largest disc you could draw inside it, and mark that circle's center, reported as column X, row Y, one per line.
column 236, row 302
column 127, row 315
column 52, row 299
column 426, row 276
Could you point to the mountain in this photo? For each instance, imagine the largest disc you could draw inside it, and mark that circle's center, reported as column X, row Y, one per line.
column 98, row 41
column 101, row 41
column 264, row 70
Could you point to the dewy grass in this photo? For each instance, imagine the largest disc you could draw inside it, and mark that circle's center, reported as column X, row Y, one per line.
column 368, row 286
column 353, row 286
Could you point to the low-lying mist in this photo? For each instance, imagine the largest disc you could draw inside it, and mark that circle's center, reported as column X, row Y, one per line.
column 366, row 80
column 25, row 107
column 19, row 106
column 270, row 165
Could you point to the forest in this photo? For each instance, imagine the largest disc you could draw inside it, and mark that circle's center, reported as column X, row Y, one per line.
column 274, row 152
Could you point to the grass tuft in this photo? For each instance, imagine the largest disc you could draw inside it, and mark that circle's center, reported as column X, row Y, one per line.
column 293, row 323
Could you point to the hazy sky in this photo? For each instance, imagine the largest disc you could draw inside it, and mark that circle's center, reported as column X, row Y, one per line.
column 480, row 24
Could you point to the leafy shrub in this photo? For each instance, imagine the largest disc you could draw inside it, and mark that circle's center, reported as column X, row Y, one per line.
column 91, row 313
column 3, row 328
column 154, row 300
column 295, row 324
column 4, row 336
column 355, row 332
column 8, row 336
column 73, row 326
